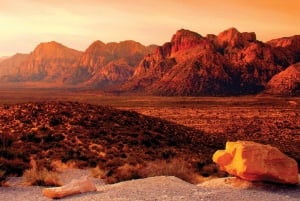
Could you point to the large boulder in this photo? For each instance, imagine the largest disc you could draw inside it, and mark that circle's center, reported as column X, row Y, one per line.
column 76, row 186
column 256, row 162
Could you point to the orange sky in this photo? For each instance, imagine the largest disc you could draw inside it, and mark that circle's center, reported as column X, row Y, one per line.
column 77, row 23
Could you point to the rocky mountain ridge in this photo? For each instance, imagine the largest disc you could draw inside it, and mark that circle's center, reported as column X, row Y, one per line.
column 100, row 64
column 230, row 63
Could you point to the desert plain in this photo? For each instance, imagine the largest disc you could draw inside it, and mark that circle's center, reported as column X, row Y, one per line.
column 210, row 122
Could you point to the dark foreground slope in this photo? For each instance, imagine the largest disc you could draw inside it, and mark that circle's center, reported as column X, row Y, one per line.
column 119, row 142
column 94, row 135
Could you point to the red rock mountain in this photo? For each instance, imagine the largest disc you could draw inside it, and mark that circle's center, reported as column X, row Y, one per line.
column 49, row 62
column 111, row 63
column 100, row 65
column 231, row 63
column 9, row 67
column 285, row 83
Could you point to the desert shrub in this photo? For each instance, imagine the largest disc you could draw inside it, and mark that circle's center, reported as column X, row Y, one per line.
column 41, row 177
column 55, row 121
column 2, row 177
column 123, row 173
column 6, row 141
column 98, row 173
column 31, row 137
column 13, row 166
column 175, row 167
column 10, row 167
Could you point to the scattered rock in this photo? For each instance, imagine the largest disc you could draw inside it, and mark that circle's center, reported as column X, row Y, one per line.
column 256, row 162
column 76, row 186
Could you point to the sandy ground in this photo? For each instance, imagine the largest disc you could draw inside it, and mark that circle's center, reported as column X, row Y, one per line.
column 161, row 189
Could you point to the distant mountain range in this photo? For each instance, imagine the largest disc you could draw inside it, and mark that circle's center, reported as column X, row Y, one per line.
column 231, row 63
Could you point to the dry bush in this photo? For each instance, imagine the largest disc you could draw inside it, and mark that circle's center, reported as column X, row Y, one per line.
column 41, row 177
column 3, row 177
column 98, row 173
column 175, row 167
column 123, row 173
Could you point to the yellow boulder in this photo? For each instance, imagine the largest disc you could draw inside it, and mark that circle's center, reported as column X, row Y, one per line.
column 256, row 162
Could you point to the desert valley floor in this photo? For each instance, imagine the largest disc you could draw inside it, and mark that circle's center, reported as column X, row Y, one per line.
column 269, row 120
column 186, row 128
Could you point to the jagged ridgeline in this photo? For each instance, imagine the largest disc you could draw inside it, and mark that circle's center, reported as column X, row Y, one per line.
column 230, row 63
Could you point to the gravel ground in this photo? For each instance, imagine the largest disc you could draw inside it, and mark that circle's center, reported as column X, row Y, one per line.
column 164, row 189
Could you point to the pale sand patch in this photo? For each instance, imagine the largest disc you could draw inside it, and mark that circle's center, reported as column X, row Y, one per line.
column 164, row 188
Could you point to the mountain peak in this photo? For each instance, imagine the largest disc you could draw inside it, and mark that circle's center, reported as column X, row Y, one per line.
column 53, row 49
column 185, row 39
column 233, row 38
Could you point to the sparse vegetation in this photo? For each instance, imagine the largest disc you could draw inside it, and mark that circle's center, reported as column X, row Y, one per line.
column 41, row 177
column 175, row 167
column 124, row 144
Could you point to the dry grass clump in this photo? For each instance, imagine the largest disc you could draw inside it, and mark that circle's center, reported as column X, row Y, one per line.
column 2, row 178
column 41, row 177
column 175, row 167
column 98, row 173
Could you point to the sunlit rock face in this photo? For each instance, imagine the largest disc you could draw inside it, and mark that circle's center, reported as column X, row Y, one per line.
column 286, row 82
column 111, row 63
column 101, row 64
column 230, row 63
column 49, row 62
column 256, row 162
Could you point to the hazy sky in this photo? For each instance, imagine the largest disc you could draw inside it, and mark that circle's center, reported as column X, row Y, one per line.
column 77, row 23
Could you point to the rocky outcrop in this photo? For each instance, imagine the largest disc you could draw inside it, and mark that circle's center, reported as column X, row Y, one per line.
column 115, row 72
column 256, row 162
column 285, row 83
column 232, row 38
column 232, row 63
column 100, row 65
column 9, row 67
column 290, row 45
column 76, row 186
column 111, row 63
column 49, row 62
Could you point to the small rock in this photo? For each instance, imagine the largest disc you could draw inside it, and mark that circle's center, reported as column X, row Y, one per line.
column 76, row 186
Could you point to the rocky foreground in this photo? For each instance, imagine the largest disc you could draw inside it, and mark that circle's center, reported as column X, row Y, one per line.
column 121, row 143
column 168, row 189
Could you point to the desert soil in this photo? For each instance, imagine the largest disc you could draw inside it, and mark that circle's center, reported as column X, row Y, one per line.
column 160, row 188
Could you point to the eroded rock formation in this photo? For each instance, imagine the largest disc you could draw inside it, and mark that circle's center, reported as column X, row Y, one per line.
column 231, row 63
column 285, row 83
column 256, row 162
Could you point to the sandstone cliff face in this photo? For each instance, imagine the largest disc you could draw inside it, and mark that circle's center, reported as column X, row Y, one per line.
column 9, row 67
column 287, row 47
column 285, row 83
column 111, row 63
column 100, row 65
column 231, row 63
column 48, row 62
